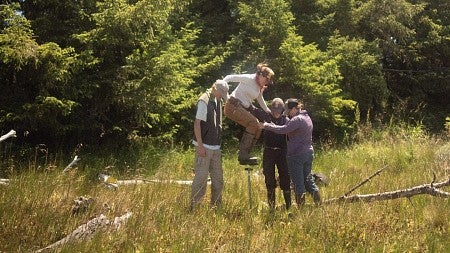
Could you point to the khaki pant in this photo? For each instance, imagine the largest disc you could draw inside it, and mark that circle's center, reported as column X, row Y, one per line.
column 210, row 165
column 236, row 112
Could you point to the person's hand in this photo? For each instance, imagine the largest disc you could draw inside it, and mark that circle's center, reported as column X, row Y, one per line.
column 201, row 151
column 267, row 124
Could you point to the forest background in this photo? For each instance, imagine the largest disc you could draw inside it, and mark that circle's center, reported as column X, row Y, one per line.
column 102, row 74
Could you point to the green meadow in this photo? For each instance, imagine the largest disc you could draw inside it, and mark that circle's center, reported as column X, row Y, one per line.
column 36, row 204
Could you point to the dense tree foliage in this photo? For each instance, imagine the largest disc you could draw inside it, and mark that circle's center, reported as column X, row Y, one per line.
column 315, row 78
column 35, row 94
column 105, row 71
column 356, row 56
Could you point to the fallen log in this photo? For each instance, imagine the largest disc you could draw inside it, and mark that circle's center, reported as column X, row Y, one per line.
column 168, row 181
column 87, row 230
column 430, row 189
column 114, row 183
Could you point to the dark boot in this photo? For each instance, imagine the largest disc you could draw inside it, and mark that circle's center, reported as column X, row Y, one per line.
column 316, row 197
column 287, row 198
column 300, row 199
column 245, row 145
column 271, row 198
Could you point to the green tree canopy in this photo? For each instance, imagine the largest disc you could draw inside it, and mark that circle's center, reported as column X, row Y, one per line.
column 357, row 56
column 315, row 78
column 35, row 78
column 99, row 72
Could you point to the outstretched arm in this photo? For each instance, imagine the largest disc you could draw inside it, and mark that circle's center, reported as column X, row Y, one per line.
column 290, row 126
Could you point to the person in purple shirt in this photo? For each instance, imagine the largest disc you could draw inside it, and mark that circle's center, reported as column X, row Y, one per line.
column 300, row 152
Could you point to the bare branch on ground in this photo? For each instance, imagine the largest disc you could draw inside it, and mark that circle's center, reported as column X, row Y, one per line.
column 430, row 189
column 87, row 230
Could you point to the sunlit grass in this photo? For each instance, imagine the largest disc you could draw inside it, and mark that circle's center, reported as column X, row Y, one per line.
column 35, row 208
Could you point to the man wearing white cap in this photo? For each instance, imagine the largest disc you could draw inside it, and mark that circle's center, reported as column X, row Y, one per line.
column 207, row 140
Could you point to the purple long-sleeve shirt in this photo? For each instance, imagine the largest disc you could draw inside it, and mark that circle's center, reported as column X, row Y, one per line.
column 299, row 133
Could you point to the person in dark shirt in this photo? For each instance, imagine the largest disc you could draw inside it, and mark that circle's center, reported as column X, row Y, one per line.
column 274, row 155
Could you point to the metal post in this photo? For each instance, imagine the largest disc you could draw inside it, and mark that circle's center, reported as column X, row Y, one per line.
column 249, row 169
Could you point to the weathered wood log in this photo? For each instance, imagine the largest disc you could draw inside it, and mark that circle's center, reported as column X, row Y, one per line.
column 430, row 189
column 87, row 230
column 162, row 181
column 10, row 134
column 132, row 181
column 168, row 181
column 113, row 183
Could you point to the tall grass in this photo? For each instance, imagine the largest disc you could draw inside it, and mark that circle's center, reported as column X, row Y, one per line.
column 35, row 206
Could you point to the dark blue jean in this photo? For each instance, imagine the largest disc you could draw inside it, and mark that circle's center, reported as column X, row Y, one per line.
column 300, row 167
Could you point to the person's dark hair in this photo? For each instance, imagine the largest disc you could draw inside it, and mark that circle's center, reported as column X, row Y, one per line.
column 293, row 102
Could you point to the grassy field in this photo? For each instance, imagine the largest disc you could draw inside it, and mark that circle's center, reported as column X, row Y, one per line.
column 35, row 207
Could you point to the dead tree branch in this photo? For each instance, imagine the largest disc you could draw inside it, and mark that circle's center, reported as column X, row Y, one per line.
column 430, row 189
column 143, row 181
column 11, row 133
column 365, row 181
column 87, row 230
column 113, row 183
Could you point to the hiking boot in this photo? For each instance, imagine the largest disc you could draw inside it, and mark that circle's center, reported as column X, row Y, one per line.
column 300, row 199
column 287, row 198
column 271, row 198
column 245, row 145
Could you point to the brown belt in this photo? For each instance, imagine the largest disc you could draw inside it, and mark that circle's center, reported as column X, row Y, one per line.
column 234, row 101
